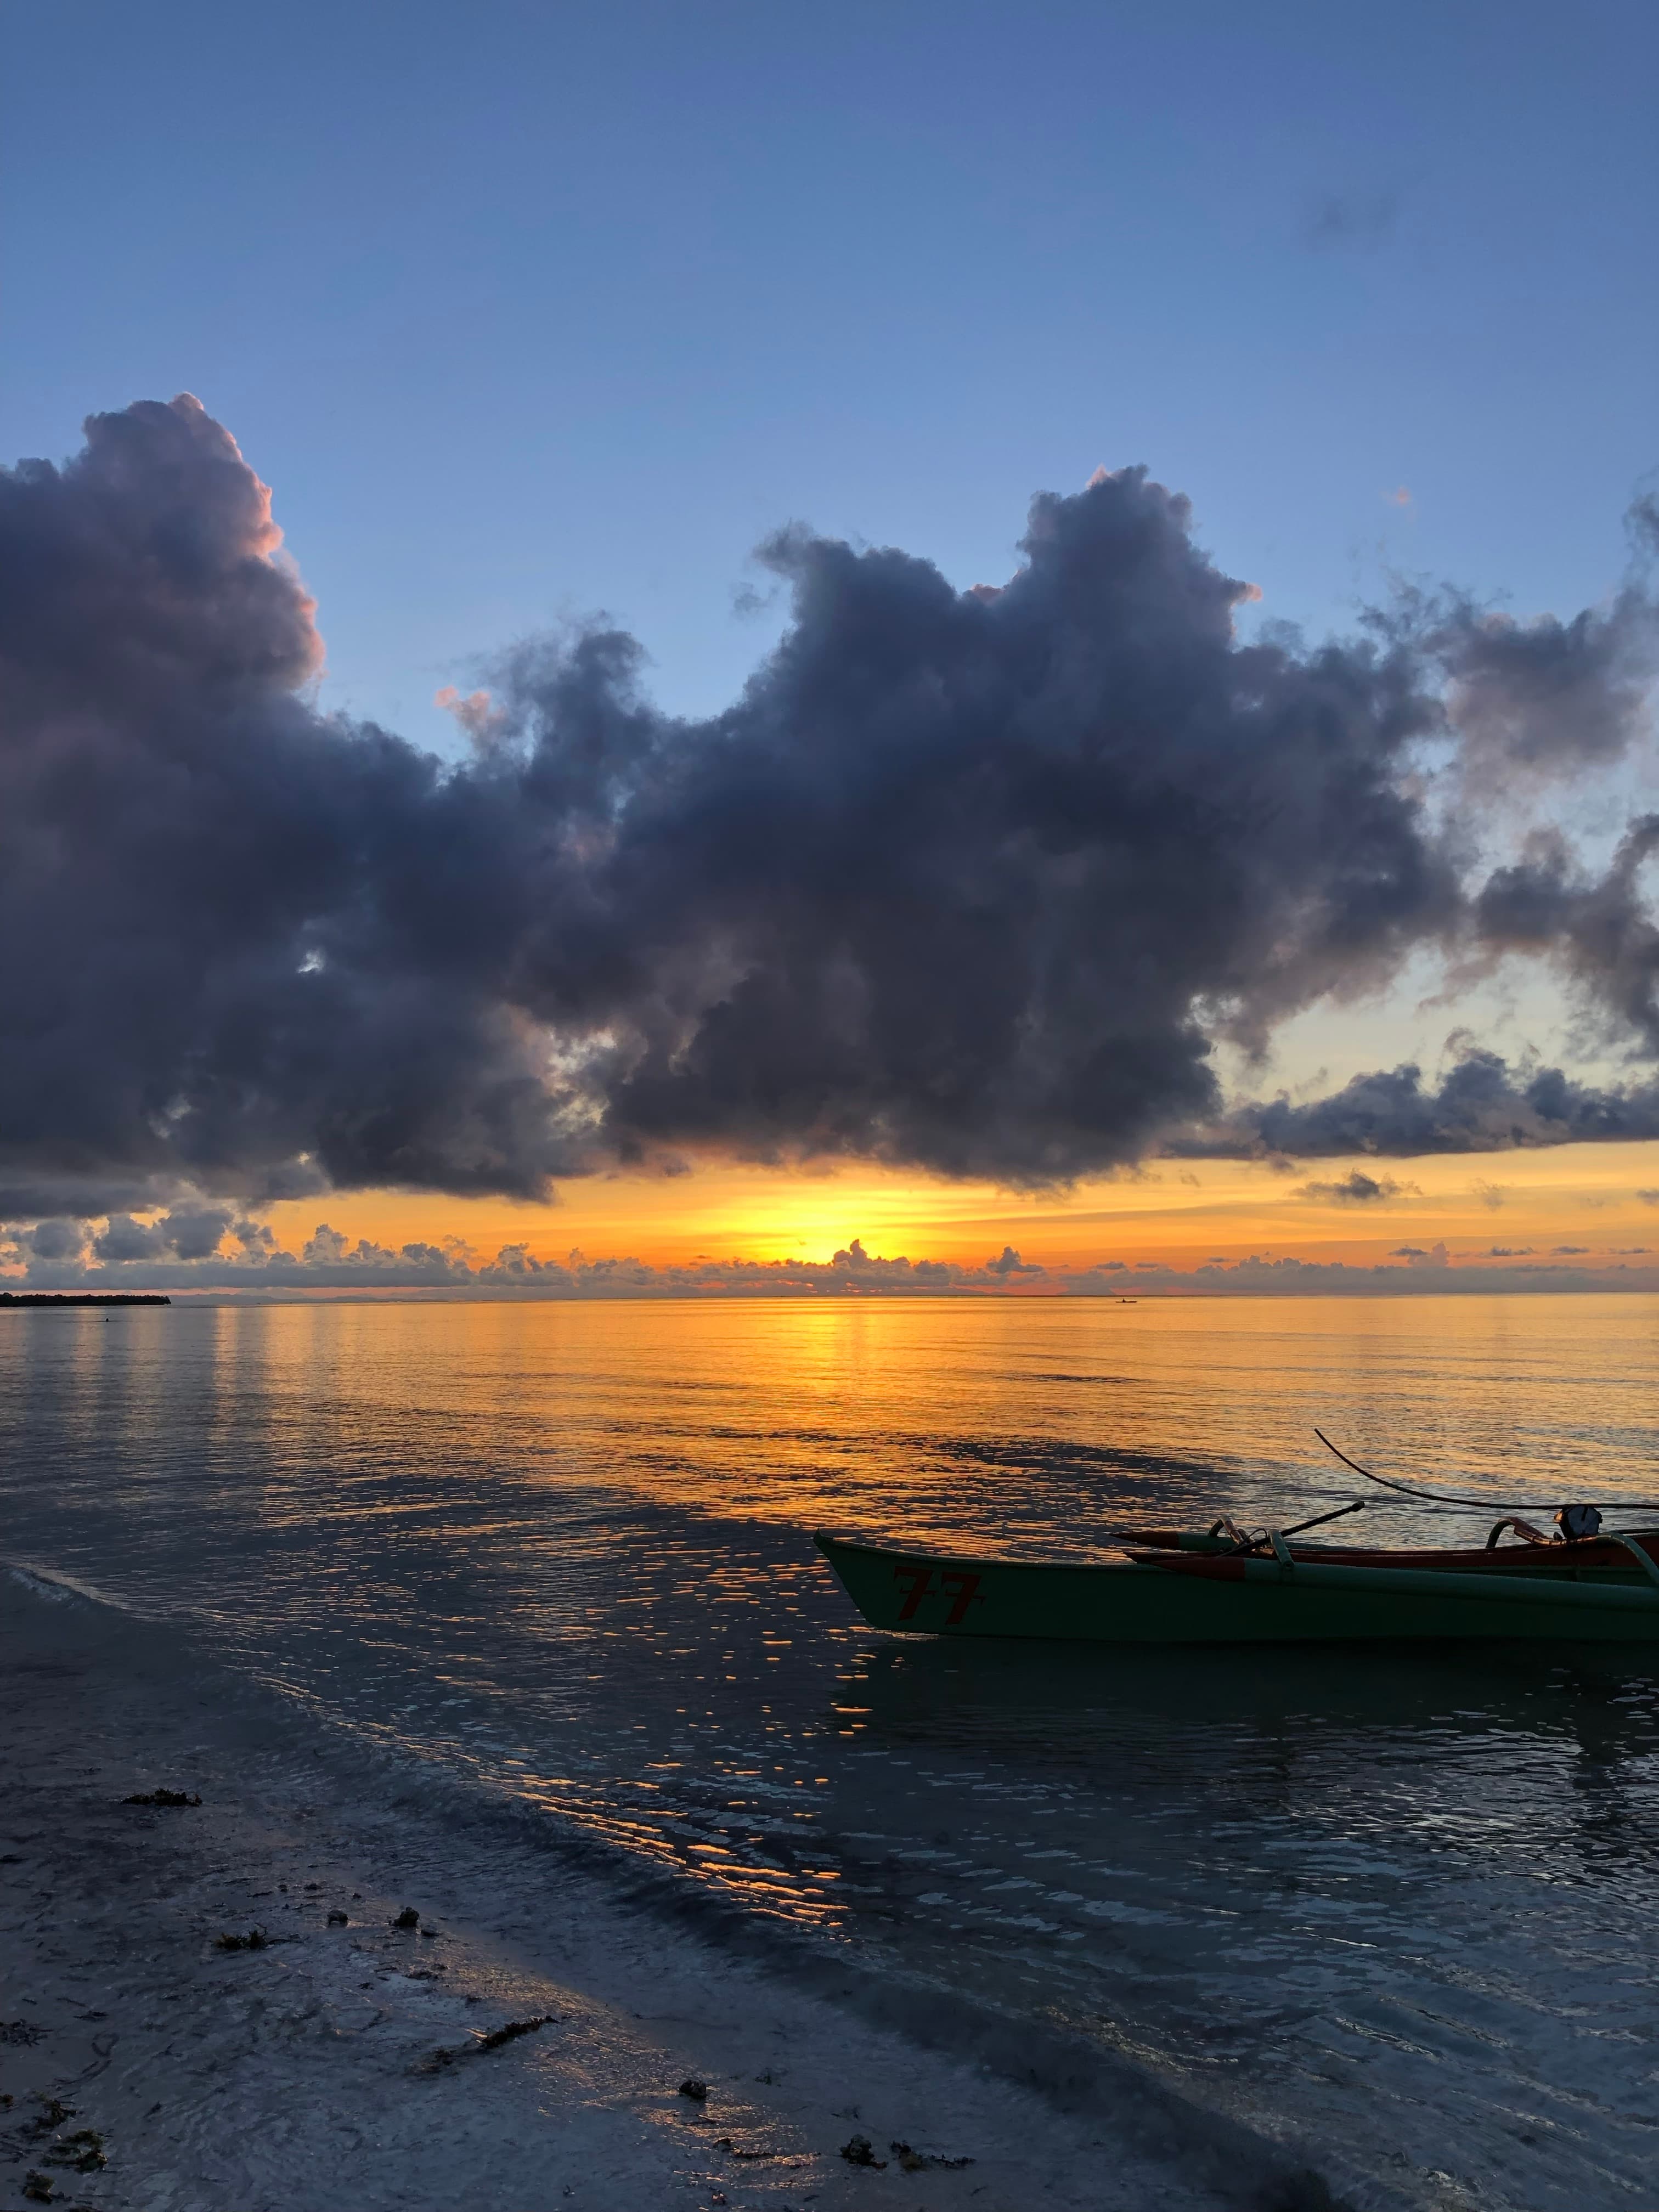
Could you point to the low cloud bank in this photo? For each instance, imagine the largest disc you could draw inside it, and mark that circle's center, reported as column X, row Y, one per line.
column 248, row 1265
column 970, row 882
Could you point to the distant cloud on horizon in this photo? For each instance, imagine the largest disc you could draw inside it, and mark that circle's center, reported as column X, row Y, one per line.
column 249, row 1265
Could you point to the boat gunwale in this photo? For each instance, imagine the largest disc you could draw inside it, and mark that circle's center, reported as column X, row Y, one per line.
column 1554, row 1562
column 1234, row 1569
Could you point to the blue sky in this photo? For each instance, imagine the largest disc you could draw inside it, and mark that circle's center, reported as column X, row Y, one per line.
column 525, row 311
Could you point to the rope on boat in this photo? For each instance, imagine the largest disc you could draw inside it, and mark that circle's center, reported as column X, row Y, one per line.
column 1484, row 1505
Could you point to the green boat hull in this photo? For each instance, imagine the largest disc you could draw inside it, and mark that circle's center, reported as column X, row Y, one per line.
column 931, row 1595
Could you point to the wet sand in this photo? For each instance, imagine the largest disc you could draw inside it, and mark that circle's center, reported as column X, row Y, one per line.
column 341, row 2059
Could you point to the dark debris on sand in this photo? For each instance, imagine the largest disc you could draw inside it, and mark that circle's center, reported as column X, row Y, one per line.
column 84, row 2150
column 496, row 2038
column 921, row 2161
column 725, row 2143
column 513, row 2029
column 52, row 2114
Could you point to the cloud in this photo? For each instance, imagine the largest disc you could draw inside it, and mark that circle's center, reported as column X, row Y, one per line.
column 162, row 1256
column 188, row 1232
column 55, row 1240
column 1547, row 697
column 1481, row 1105
column 477, row 714
column 1414, row 1255
column 1008, row 1263
column 244, row 973
column 1598, row 930
column 1649, row 1197
column 971, row 882
column 1352, row 223
column 249, row 1267
column 1357, row 1188
column 1562, row 1250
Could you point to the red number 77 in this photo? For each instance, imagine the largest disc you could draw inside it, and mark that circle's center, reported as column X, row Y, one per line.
column 919, row 1582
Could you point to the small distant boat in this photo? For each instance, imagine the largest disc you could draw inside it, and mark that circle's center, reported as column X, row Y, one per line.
column 1174, row 1587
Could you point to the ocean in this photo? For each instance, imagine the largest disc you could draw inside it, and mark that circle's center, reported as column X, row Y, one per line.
column 558, row 1555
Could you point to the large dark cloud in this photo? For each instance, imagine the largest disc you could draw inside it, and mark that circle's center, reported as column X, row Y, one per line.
column 969, row 881
column 215, row 965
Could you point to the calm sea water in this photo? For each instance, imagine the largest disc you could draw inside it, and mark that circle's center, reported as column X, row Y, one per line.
column 1410, row 1900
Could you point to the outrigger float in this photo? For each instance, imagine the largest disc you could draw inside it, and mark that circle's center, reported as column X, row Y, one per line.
column 1224, row 1585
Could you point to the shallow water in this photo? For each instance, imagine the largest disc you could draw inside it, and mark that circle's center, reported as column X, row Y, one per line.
column 1406, row 1901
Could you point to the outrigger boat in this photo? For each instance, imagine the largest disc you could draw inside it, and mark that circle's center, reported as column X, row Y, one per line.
column 1224, row 1585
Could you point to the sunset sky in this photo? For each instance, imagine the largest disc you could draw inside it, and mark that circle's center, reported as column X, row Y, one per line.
column 1583, row 1207
column 577, row 738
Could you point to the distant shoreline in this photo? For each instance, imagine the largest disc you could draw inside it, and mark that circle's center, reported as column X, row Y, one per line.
column 84, row 1298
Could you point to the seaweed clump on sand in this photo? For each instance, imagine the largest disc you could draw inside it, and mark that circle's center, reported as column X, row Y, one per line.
column 513, row 2029
column 858, row 2150
column 496, row 2039
column 84, row 2150
column 255, row 1940
column 52, row 2114
column 922, row 2162
column 731, row 2150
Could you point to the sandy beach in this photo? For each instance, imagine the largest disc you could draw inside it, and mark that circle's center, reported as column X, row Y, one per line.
column 340, row 2057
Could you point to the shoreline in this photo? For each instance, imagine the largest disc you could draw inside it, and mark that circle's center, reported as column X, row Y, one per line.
column 304, row 2070
column 84, row 1298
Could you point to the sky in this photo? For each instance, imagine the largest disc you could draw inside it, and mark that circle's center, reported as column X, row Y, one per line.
column 536, row 317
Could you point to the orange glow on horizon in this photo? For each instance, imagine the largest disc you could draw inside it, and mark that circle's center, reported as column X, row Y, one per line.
column 1583, row 1197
